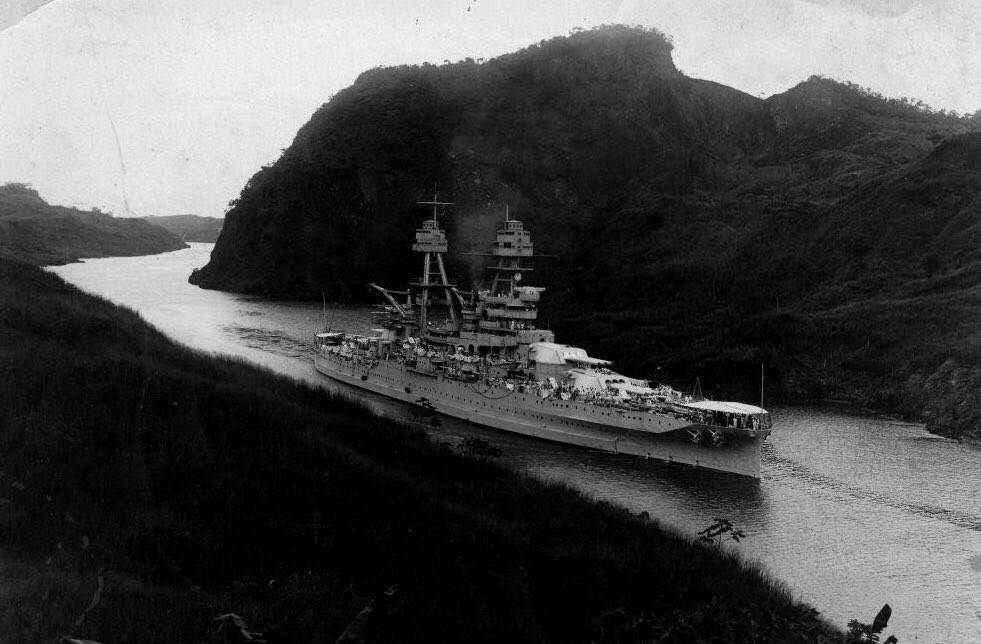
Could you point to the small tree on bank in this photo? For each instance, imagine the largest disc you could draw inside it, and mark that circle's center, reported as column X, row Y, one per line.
column 720, row 532
column 423, row 409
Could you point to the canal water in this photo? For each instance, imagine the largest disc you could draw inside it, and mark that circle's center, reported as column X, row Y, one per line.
column 854, row 510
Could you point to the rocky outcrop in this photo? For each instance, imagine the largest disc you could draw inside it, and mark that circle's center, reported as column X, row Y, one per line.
column 951, row 399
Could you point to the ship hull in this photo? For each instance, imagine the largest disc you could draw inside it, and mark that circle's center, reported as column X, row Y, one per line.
column 647, row 435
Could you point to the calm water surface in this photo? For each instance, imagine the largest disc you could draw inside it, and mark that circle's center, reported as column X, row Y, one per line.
column 853, row 510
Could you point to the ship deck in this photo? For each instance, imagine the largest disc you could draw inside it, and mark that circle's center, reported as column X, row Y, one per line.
column 640, row 433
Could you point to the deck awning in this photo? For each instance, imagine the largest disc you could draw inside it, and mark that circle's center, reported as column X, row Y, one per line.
column 724, row 406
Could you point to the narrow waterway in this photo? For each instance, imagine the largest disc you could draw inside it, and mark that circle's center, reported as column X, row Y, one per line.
column 853, row 510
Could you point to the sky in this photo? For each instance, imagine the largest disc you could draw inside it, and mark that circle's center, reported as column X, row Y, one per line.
column 142, row 107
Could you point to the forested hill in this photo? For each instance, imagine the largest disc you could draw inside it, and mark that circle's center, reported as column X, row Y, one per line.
column 189, row 228
column 827, row 231
column 34, row 231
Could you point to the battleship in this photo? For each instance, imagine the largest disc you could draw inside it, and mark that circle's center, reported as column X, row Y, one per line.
column 489, row 363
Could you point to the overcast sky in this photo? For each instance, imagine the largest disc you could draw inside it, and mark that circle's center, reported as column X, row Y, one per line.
column 145, row 107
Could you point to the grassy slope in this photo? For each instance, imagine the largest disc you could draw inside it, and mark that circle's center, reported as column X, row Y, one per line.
column 34, row 231
column 197, row 486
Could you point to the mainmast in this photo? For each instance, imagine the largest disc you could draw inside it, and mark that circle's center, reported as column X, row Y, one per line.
column 431, row 241
column 512, row 253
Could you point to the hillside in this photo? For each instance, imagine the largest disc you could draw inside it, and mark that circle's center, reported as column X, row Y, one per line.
column 699, row 231
column 34, row 231
column 148, row 489
column 189, row 228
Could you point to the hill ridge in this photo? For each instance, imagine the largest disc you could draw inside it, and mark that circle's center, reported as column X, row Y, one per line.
column 34, row 231
column 697, row 228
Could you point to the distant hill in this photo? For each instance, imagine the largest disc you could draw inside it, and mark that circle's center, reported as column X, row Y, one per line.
column 32, row 230
column 190, row 228
column 827, row 232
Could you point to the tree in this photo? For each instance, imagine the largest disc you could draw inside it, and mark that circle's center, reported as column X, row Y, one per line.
column 720, row 532
column 423, row 409
column 860, row 632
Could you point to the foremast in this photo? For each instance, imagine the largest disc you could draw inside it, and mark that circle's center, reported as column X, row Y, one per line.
column 431, row 242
